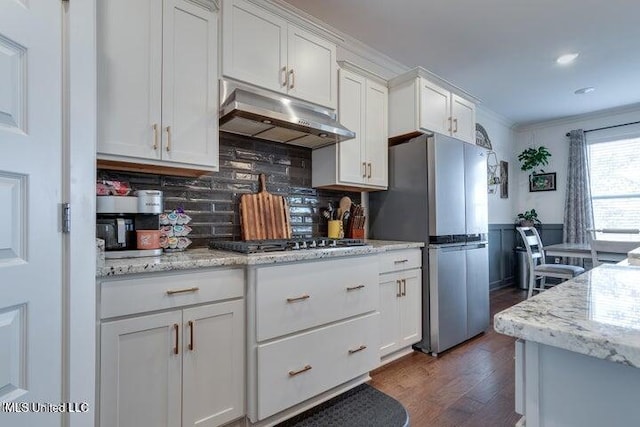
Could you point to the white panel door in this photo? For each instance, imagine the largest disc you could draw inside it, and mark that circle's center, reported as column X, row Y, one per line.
column 312, row 68
column 389, row 313
column 376, row 134
column 190, row 83
column 254, row 46
column 129, row 37
column 435, row 108
column 464, row 119
column 351, row 163
column 213, row 364
column 140, row 371
column 411, row 308
column 30, row 197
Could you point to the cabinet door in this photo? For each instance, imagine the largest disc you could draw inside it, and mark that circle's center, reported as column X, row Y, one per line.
column 213, row 364
column 411, row 308
column 390, row 295
column 129, row 55
column 140, row 371
column 190, row 84
column 477, row 290
column 435, row 108
column 312, row 68
column 375, row 134
column 464, row 119
column 254, row 46
column 351, row 161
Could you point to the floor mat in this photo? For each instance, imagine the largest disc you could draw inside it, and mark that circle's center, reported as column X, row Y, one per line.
column 362, row 406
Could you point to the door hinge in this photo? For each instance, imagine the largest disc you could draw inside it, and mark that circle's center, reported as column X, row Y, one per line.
column 66, row 217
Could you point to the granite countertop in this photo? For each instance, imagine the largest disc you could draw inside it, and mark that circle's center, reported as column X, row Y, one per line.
column 202, row 258
column 596, row 314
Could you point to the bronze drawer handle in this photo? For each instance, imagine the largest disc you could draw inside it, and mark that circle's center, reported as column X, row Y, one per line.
column 362, row 347
column 401, row 261
column 192, row 326
column 182, row 291
column 300, row 298
column 399, row 283
column 404, row 287
column 355, row 288
column 299, row 371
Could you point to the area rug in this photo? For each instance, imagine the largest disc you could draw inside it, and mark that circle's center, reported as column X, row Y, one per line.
column 362, row 406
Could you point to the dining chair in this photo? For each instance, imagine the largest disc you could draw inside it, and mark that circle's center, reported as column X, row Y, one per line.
column 611, row 245
column 538, row 268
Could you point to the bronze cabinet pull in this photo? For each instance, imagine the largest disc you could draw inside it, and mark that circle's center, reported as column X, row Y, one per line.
column 299, row 371
column 191, row 328
column 168, row 138
column 182, row 291
column 362, row 347
column 176, row 327
column 285, row 79
column 404, row 287
column 369, row 175
column 293, row 79
column 300, row 298
column 450, row 123
column 364, row 169
column 455, row 127
column 155, row 136
column 354, row 288
column 399, row 283
column 401, row 261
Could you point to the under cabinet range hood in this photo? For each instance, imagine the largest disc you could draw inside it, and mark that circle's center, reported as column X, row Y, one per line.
column 254, row 112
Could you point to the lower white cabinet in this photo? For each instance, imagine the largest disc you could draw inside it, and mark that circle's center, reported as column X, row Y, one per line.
column 400, row 287
column 181, row 367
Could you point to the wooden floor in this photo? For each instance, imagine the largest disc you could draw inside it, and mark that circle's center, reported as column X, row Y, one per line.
column 469, row 385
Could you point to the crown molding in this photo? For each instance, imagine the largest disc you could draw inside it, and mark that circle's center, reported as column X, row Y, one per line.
column 609, row 112
column 434, row 78
column 499, row 118
column 348, row 65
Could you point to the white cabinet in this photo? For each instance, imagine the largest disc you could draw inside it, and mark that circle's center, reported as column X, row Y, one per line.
column 181, row 367
column 400, row 302
column 157, row 83
column 265, row 50
column 359, row 163
column 313, row 328
column 417, row 105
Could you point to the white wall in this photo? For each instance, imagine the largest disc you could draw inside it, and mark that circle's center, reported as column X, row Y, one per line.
column 501, row 211
column 550, row 204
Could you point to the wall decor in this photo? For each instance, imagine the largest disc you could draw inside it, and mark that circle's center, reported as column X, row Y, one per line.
column 504, row 179
column 543, row 182
column 482, row 138
column 492, row 172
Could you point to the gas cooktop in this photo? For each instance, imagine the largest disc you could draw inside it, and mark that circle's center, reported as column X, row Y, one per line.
column 259, row 246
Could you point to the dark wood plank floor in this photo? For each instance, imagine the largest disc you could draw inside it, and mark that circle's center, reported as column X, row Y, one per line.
column 469, row 385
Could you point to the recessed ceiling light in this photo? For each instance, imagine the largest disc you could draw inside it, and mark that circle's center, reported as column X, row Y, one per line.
column 584, row 90
column 567, row 59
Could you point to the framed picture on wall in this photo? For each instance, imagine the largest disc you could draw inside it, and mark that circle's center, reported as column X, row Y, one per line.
column 504, row 179
column 542, row 182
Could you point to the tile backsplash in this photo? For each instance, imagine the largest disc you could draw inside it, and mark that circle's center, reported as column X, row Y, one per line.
column 212, row 200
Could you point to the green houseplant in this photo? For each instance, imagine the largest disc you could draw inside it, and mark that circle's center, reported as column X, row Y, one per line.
column 529, row 218
column 533, row 158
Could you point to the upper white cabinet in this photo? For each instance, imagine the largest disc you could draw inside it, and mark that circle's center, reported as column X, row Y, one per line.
column 418, row 105
column 157, row 82
column 358, row 163
column 261, row 48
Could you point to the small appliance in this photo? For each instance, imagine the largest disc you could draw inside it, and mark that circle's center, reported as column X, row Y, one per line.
column 119, row 217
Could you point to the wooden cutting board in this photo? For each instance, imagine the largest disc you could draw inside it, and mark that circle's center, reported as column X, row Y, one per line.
column 264, row 215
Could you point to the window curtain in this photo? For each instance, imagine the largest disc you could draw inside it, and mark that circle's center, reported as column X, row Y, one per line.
column 578, row 212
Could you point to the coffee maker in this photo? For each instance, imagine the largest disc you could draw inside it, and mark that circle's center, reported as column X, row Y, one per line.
column 118, row 218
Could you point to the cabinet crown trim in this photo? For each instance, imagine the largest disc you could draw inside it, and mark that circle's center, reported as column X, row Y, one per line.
column 348, row 65
column 418, row 72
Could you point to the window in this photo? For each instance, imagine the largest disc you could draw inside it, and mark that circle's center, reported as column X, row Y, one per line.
column 615, row 182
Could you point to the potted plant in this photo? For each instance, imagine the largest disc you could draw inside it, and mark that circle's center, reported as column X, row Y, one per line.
column 533, row 158
column 529, row 218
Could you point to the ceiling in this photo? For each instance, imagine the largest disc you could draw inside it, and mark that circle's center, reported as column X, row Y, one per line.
column 504, row 51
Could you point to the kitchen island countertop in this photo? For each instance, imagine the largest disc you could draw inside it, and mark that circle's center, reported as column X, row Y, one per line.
column 595, row 314
column 203, row 258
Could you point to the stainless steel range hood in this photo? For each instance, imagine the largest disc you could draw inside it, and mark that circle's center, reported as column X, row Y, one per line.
column 254, row 112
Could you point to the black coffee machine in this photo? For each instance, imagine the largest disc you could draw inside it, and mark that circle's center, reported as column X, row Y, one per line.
column 118, row 218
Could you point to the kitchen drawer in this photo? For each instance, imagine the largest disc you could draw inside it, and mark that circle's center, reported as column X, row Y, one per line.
column 325, row 357
column 400, row 260
column 139, row 295
column 294, row 297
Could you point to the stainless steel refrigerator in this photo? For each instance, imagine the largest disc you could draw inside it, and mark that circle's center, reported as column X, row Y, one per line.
column 438, row 194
